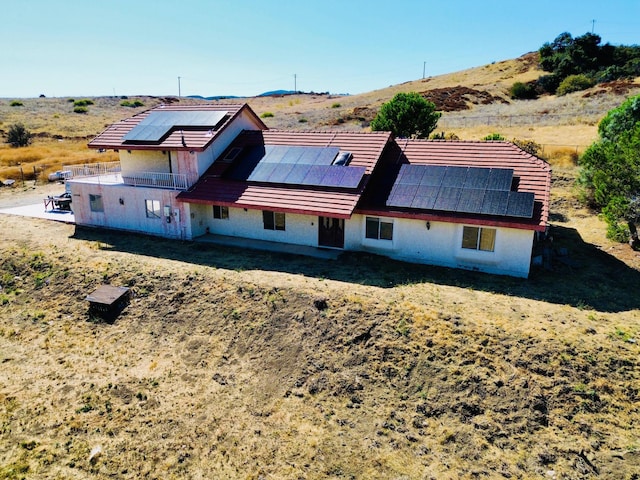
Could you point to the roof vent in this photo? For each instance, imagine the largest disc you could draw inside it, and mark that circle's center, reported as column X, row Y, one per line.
column 343, row 159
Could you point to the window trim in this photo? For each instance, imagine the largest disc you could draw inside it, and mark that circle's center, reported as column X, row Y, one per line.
column 383, row 229
column 96, row 204
column 482, row 239
column 221, row 212
column 151, row 212
column 273, row 220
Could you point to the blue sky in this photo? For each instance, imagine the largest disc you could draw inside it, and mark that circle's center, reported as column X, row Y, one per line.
column 246, row 47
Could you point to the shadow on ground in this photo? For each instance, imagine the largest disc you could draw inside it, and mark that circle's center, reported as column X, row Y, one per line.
column 579, row 275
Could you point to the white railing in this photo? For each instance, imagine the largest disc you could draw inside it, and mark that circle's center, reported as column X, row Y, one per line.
column 92, row 169
column 174, row 181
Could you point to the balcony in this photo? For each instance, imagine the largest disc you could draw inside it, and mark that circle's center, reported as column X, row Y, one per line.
column 110, row 173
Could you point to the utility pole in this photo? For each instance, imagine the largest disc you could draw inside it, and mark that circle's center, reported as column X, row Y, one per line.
column 179, row 93
column 295, row 82
column 593, row 25
column 424, row 69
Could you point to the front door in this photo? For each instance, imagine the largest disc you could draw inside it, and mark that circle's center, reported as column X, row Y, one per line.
column 331, row 232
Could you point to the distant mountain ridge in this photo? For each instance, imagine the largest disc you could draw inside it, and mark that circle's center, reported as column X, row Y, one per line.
column 272, row 93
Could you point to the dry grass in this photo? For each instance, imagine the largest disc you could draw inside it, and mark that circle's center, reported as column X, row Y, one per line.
column 45, row 156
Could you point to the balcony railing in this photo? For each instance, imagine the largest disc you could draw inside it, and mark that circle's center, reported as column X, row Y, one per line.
column 92, row 169
column 173, row 181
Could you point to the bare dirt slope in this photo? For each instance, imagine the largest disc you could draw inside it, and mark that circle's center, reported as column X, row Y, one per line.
column 240, row 364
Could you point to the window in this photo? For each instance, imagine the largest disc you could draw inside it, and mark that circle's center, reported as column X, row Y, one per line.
column 273, row 220
column 153, row 208
column 378, row 229
column 220, row 212
column 476, row 238
column 95, row 203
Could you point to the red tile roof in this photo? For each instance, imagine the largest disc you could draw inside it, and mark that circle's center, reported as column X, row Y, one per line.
column 366, row 148
column 196, row 139
column 534, row 176
column 212, row 190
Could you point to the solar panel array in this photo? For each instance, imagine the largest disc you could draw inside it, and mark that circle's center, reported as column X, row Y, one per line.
column 474, row 190
column 294, row 165
column 157, row 124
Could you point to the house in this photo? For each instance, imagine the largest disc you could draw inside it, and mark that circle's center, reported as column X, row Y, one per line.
column 216, row 169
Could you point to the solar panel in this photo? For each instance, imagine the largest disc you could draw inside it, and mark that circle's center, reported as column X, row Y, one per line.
column 315, row 175
column 423, row 202
column 495, row 202
column 278, row 174
column 327, row 155
column 477, row 177
column 447, row 199
column 274, row 154
column 410, row 175
column 157, row 124
column 352, row 177
column 309, row 156
column 500, row 179
column 454, row 177
column 471, row 200
column 332, row 177
column 520, row 204
column 433, row 175
column 403, row 201
column 406, row 189
column 292, row 155
column 262, row 172
column 297, row 174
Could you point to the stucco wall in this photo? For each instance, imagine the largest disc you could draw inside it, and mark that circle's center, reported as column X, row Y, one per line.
column 299, row 229
column 146, row 161
column 125, row 209
column 441, row 244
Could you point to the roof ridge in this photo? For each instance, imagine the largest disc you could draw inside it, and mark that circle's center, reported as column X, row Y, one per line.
column 327, row 132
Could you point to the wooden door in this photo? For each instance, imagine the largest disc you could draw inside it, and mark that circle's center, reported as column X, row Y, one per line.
column 331, row 232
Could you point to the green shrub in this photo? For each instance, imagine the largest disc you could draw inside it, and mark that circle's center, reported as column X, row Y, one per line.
column 493, row 137
column 83, row 103
column 574, row 83
column 266, row 115
column 548, row 83
column 80, row 110
column 71, row 100
column 134, row 104
column 18, row 136
column 303, row 120
column 16, row 103
column 444, row 136
column 523, row 91
column 336, row 105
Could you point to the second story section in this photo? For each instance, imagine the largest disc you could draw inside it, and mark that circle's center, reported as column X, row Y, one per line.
column 175, row 140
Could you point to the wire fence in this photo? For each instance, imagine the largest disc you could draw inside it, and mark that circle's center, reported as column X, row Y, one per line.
column 544, row 119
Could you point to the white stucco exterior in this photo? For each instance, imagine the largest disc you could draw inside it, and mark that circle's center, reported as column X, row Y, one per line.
column 440, row 244
column 125, row 208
